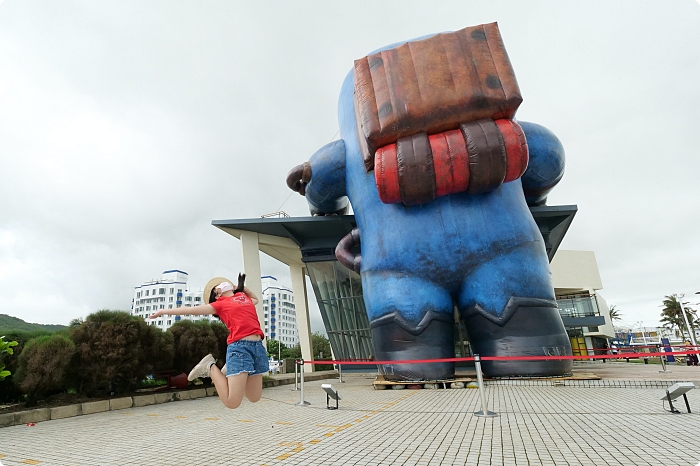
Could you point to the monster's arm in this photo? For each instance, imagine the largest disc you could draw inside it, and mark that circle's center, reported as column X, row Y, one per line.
column 322, row 180
column 546, row 165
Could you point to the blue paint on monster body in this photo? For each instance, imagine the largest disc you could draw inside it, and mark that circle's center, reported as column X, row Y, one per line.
column 481, row 252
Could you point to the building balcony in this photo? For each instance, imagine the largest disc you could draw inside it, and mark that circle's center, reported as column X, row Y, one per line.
column 580, row 312
column 178, row 302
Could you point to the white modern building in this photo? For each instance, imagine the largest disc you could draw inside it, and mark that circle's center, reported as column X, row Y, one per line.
column 170, row 292
column 583, row 310
column 280, row 314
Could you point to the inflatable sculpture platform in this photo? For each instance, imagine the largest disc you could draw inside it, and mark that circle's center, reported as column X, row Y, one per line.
column 440, row 175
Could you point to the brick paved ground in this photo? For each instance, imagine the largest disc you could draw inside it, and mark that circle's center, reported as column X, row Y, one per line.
column 549, row 425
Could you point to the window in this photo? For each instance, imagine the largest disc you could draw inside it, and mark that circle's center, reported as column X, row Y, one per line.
column 170, row 299
column 172, row 290
column 162, row 306
column 146, row 292
column 138, row 294
column 160, row 322
column 197, row 299
column 179, row 305
column 170, row 306
column 170, row 322
column 161, row 291
column 148, row 308
column 188, row 298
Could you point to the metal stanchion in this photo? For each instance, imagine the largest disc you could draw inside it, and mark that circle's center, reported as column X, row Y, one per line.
column 296, row 377
column 661, row 358
column 480, row 379
column 340, row 374
column 302, row 402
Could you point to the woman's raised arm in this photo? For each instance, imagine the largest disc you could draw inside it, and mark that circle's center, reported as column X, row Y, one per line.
column 196, row 310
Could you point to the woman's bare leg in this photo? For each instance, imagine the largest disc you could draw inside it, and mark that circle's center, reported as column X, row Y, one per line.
column 253, row 388
column 230, row 389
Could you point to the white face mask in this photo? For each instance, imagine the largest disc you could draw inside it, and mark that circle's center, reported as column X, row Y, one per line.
column 224, row 287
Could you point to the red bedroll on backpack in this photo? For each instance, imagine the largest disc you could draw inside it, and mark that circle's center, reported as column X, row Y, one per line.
column 476, row 158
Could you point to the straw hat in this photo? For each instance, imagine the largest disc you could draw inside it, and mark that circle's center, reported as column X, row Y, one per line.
column 214, row 282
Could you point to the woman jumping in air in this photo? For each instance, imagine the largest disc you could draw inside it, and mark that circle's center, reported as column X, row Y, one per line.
column 246, row 357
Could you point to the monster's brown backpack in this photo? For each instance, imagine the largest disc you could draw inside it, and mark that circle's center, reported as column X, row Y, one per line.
column 437, row 85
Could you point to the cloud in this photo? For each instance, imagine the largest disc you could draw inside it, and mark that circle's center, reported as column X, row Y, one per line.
column 127, row 127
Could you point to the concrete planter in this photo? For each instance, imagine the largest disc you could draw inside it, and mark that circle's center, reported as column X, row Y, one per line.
column 92, row 407
column 61, row 412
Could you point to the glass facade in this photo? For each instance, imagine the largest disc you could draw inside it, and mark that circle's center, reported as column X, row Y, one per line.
column 338, row 292
column 577, row 306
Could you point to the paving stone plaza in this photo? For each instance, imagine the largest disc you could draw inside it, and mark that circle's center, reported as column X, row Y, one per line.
column 537, row 424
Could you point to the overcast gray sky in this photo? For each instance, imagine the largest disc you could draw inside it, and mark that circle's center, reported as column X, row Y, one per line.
column 126, row 127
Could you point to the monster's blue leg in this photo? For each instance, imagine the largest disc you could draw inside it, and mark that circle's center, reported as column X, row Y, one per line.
column 508, row 307
column 410, row 318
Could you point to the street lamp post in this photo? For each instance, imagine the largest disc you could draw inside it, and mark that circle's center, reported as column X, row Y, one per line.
column 687, row 324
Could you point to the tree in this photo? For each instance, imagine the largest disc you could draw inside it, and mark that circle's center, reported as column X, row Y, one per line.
column 9, row 391
column 221, row 333
column 42, row 366
column 615, row 313
column 114, row 351
column 193, row 340
column 672, row 315
column 321, row 346
column 5, row 348
column 277, row 349
column 320, row 349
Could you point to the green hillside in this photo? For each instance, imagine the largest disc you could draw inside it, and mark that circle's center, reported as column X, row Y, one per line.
column 9, row 323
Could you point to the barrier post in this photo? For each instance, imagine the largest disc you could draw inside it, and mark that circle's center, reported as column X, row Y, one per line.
column 302, row 402
column 296, row 376
column 480, row 380
column 340, row 373
column 661, row 358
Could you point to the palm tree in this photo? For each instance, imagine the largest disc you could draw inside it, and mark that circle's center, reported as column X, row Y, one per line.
column 672, row 315
column 615, row 313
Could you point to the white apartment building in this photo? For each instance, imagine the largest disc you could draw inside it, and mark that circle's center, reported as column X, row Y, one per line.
column 170, row 292
column 279, row 313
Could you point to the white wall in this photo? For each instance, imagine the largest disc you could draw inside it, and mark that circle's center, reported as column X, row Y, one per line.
column 575, row 270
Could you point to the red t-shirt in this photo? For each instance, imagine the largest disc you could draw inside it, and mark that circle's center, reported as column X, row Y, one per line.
column 239, row 314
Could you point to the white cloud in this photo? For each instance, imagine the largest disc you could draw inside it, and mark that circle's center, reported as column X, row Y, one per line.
column 86, row 132
column 125, row 128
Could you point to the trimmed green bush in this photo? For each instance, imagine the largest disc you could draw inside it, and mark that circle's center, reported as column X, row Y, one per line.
column 221, row 333
column 115, row 351
column 193, row 341
column 8, row 390
column 42, row 366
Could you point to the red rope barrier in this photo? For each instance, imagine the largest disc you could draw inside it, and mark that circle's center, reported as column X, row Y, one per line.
column 507, row 358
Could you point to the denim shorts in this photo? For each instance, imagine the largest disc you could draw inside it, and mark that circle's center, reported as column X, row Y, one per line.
column 246, row 356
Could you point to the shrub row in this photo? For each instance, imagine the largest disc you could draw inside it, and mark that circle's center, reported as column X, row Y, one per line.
column 109, row 352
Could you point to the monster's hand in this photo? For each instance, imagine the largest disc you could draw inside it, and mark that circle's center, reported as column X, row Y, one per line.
column 322, row 180
column 241, row 283
column 298, row 177
column 546, row 165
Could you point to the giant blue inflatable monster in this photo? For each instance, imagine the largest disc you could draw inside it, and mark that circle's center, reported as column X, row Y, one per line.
column 440, row 176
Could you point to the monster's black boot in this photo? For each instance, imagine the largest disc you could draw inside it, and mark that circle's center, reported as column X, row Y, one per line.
column 527, row 327
column 396, row 339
